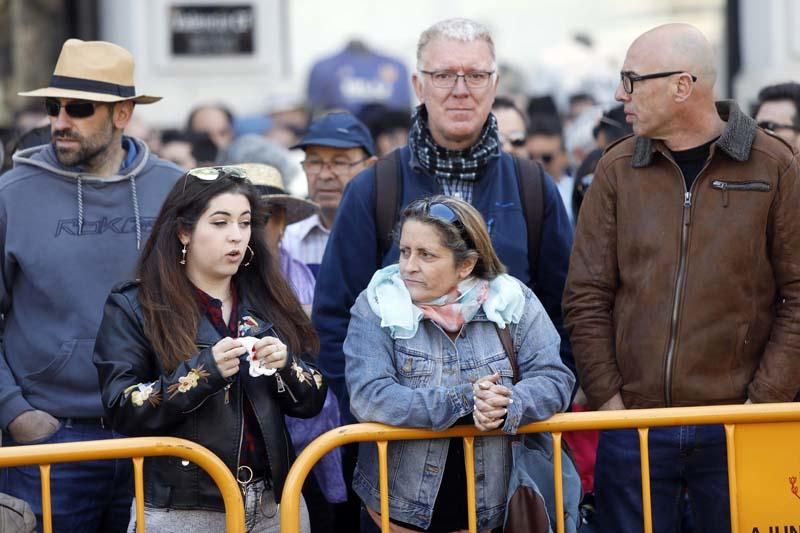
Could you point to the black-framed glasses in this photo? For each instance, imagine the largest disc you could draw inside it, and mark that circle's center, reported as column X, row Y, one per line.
column 74, row 109
column 628, row 78
column 214, row 173
column 444, row 213
column 339, row 168
column 447, row 79
column 775, row 126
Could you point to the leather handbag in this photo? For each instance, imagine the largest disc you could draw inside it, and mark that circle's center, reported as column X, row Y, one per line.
column 530, row 501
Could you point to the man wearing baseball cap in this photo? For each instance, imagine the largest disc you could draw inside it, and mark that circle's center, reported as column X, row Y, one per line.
column 338, row 146
column 73, row 216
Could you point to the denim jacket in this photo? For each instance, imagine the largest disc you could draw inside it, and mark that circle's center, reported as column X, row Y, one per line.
column 426, row 382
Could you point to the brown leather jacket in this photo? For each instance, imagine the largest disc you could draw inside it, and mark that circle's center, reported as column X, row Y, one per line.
column 679, row 298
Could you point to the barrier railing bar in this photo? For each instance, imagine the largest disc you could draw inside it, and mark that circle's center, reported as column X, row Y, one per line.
column 47, row 504
column 383, row 474
column 565, row 422
column 138, row 492
column 469, row 464
column 733, row 498
column 558, row 479
column 644, row 462
column 69, row 452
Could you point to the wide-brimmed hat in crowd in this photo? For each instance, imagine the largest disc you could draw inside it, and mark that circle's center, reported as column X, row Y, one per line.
column 97, row 71
column 269, row 183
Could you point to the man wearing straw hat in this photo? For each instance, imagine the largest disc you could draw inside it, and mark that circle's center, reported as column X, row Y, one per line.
column 73, row 216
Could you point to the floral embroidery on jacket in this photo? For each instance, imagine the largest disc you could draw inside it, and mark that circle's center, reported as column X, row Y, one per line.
column 188, row 382
column 301, row 373
column 317, row 378
column 246, row 323
column 142, row 392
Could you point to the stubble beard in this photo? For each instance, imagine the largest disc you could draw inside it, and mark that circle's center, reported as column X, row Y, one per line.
column 92, row 152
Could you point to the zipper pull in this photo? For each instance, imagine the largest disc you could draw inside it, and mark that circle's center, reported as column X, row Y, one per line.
column 687, row 207
column 281, row 387
column 227, row 394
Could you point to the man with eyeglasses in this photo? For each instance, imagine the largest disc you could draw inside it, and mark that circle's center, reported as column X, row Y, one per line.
column 683, row 284
column 337, row 146
column 454, row 149
column 778, row 111
column 74, row 215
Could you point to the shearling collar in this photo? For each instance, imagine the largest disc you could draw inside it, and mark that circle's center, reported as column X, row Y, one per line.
column 736, row 140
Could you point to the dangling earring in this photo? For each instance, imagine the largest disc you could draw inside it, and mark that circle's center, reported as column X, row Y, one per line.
column 252, row 255
column 183, row 255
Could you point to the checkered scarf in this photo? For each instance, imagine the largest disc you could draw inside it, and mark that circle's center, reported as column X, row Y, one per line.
column 447, row 164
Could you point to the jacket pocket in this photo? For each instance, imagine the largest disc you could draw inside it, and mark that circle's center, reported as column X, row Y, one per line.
column 69, row 374
column 412, row 369
column 744, row 186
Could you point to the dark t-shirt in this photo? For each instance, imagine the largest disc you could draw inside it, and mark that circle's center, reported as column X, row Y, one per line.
column 692, row 161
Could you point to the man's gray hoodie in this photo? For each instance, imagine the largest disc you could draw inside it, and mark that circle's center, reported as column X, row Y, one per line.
column 65, row 240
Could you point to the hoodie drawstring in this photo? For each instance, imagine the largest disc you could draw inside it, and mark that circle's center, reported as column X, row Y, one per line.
column 136, row 213
column 80, row 205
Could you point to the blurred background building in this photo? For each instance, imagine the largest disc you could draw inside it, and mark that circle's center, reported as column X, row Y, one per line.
column 256, row 57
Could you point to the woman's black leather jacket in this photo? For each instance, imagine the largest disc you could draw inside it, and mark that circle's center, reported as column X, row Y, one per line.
column 195, row 401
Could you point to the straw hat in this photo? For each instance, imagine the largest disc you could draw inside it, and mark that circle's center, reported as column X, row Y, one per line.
column 269, row 182
column 97, row 71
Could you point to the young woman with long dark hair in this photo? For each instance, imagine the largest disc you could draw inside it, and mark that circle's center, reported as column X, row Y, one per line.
column 206, row 345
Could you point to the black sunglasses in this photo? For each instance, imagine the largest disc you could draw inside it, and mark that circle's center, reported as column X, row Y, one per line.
column 446, row 214
column 73, row 109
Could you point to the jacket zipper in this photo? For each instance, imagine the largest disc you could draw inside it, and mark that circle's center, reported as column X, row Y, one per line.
column 678, row 293
column 241, row 432
column 725, row 186
column 282, row 387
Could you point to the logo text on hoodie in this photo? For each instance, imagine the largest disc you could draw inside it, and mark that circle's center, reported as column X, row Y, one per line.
column 69, row 226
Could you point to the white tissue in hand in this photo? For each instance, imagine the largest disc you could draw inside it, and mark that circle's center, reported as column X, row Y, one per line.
column 257, row 367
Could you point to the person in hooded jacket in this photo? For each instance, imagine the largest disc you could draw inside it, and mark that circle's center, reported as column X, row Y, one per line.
column 73, row 216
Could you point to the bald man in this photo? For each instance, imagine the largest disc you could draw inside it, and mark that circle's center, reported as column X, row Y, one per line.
column 683, row 283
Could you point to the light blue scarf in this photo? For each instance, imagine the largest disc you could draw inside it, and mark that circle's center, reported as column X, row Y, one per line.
column 389, row 299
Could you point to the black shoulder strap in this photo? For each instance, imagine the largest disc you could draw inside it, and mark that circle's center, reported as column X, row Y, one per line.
column 387, row 199
column 531, row 192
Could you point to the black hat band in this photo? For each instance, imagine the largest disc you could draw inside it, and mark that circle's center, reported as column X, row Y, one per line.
column 92, row 86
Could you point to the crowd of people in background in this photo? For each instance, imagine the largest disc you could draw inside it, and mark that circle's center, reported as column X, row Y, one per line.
column 381, row 241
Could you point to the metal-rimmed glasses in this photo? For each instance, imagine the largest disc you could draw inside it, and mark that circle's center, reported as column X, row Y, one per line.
column 447, row 79
column 775, row 126
column 339, row 168
column 628, row 78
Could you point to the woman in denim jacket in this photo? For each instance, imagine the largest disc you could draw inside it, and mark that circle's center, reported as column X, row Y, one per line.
column 423, row 350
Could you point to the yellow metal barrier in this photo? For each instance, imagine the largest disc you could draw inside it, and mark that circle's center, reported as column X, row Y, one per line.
column 763, row 461
column 137, row 448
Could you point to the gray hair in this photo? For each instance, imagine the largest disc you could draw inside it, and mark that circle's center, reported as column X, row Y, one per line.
column 456, row 29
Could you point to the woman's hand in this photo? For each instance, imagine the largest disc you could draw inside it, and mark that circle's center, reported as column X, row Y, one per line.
column 226, row 354
column 271, row 352
column 491, row 402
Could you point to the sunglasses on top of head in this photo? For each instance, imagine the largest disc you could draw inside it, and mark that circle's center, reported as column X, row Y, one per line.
column 73, row 109
column 214, row 173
